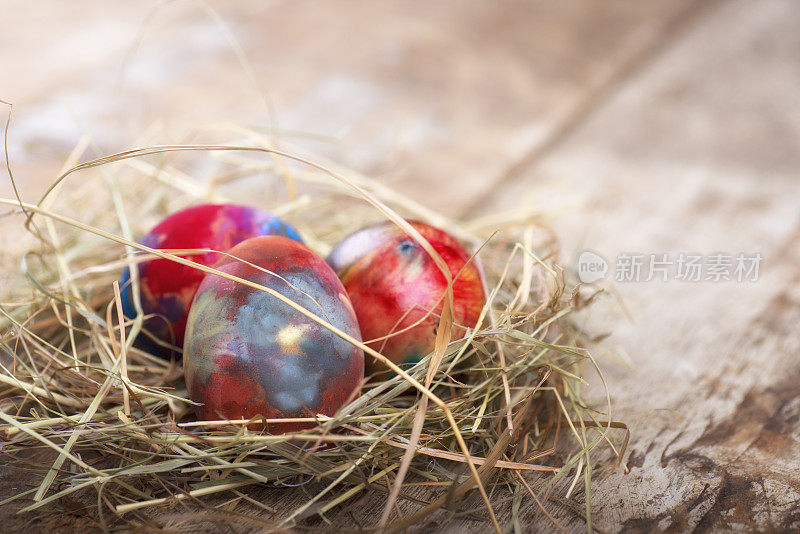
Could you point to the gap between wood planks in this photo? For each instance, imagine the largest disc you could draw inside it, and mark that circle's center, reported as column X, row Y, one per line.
column 631, row 63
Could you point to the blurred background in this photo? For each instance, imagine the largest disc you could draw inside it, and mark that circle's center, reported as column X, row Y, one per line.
column 658, row 127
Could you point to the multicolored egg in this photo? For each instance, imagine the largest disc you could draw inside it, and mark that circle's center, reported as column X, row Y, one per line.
column 393, row 283
column 248, row 353
column 166, row 287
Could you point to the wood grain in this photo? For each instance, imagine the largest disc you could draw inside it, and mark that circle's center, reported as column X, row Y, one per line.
column 698, row 153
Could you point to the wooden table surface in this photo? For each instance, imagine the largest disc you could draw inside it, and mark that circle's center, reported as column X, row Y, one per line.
column 659, row 127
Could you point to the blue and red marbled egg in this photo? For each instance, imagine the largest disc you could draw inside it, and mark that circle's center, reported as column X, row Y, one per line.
column 393, row 283
column 166, row 287
column 248, row 353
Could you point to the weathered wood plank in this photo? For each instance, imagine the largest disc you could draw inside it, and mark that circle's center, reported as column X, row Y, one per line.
column 697, row 154
column 428, row 96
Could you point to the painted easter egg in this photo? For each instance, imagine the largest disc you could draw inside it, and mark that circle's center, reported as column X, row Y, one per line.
column 247, row 353
column 393, row 283
column 166, row 288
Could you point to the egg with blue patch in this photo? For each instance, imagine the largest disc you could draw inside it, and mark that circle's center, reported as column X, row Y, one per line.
column 248, row 354
column 397, row 289
column 166, row 288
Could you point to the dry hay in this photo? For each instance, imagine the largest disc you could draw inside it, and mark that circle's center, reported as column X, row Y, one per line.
column 497, row 417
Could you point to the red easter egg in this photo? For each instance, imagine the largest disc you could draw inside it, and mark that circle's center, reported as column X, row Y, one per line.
column 393, row 283
column 247, row 353
column 167, row 287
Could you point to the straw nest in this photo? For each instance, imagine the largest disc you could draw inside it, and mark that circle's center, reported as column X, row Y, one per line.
column 489, row 428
